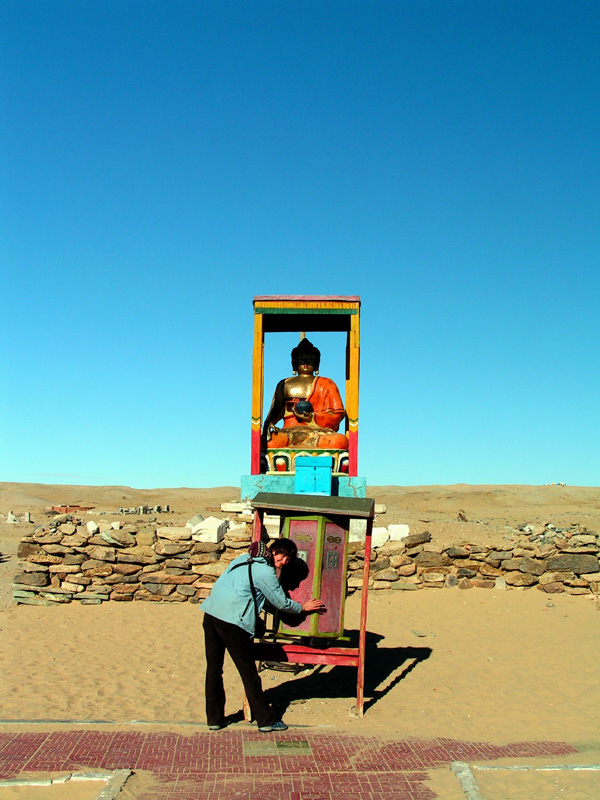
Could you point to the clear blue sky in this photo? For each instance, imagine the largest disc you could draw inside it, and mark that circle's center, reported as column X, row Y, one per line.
column 163, row 162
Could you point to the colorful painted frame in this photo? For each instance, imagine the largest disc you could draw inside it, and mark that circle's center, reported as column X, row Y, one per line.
column 317, row 626
column 280, row 313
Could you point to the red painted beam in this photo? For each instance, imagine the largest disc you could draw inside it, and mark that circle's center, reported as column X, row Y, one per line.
column 255, row 453
column 337, row 298
column 301, row 654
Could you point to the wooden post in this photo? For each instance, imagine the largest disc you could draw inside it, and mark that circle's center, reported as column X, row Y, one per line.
column 362, row 637
column 257, row 392
column 257, row 529
column 353, row 355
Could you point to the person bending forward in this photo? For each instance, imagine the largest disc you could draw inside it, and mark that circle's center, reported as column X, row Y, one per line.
column 229, row 624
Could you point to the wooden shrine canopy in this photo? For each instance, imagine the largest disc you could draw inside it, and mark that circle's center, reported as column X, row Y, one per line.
column 281, row 313
column 297, row 653
column 311, row 312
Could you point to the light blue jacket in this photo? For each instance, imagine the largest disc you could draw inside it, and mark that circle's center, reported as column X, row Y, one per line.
column 231, row 597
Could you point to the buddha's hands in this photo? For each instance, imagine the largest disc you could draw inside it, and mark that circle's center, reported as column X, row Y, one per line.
column 270, row 430
column 303, row 411
column 304, row 419
column 314, row 605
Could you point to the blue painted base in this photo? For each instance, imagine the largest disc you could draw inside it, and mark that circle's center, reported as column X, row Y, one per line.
column 342, row 486
column 313, row 475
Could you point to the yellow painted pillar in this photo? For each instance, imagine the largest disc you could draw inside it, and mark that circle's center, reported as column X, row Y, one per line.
column 257, row 392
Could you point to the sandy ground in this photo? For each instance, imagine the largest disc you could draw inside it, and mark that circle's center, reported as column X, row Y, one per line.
column 80, row 790
column 477, row 665
column 482, row 665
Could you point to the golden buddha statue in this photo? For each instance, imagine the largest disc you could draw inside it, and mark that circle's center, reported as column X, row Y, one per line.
column 309, row 405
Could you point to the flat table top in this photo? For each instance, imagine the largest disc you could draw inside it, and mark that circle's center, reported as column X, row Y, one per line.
column 317, row 504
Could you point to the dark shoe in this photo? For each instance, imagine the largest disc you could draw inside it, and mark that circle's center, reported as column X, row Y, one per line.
column 217, row 727
column 276, row 726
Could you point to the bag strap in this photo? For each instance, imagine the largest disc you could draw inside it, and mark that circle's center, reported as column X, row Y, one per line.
column 256, row 611
column 252, row 589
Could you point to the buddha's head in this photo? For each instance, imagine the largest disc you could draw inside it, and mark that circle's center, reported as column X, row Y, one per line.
column 306, row 353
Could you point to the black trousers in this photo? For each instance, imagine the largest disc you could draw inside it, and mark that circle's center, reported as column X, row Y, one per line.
column 218, row 637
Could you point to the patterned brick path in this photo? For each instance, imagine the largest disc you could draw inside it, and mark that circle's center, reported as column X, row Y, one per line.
column 247, row 765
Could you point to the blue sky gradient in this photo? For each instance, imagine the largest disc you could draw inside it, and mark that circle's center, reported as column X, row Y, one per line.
column 163, row 162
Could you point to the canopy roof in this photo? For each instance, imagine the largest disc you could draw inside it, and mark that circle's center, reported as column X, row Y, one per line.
column 306, row 312
column 315, row 504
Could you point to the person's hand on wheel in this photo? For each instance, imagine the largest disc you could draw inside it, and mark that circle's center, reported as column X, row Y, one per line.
column 314, row 605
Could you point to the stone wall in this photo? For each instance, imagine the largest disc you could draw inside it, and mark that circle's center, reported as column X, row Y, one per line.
column 68, row 560
column 551, row 560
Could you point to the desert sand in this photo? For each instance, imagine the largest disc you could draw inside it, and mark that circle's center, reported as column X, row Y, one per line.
column 476, row 665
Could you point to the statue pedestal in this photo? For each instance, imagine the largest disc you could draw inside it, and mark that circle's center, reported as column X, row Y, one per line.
column 341, row 486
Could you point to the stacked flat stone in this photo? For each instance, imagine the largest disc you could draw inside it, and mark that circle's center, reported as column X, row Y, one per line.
column 553, row 560
column 67, row 560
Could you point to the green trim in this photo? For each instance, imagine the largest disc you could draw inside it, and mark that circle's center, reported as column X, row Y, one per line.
column 314, row 618
column 344, row 575
column 307, row 450
column 316, row 587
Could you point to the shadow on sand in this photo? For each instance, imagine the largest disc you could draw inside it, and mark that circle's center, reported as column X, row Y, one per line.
column 385, row 667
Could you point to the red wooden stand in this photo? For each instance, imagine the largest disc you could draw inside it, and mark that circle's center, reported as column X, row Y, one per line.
column 296, row 652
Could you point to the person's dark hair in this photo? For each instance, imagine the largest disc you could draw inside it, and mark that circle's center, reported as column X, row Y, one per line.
column 305, row 352
column 285, row 547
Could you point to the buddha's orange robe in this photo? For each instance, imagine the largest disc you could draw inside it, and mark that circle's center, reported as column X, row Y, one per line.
column 328, row 412
column 326, row 402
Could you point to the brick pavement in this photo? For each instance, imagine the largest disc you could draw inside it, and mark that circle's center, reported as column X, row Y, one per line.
column 247, row 765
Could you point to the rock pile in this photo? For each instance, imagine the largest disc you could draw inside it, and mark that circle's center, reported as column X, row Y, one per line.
column 68, row 559
column 553, row 560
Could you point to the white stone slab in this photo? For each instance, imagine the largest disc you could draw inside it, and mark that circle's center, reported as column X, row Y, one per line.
column 358, row 530
column 238, row 507
column 210, row 529
column 236, row 528
column 272, row 523
column 380, row 537
column 398, row 532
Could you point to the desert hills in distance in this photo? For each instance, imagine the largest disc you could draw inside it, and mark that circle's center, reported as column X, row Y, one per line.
column 450, row 513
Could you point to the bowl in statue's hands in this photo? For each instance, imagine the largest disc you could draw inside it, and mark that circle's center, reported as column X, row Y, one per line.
column 303, row 407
